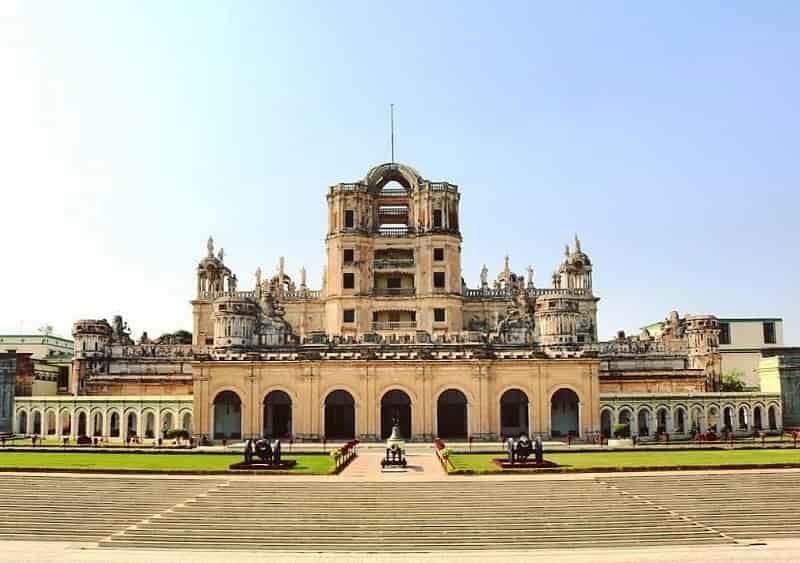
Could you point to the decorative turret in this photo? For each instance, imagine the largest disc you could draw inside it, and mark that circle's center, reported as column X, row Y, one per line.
column 213, row 277
column 556, row 319
column 702, row 334
column 575, row 271
column 235, row 321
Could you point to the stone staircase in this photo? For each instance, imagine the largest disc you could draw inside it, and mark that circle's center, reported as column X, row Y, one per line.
column 330, row 515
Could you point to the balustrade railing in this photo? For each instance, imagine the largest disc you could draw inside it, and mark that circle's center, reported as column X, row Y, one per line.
column 394, row 291
column 394, row 325
column 388, row 263
column 395, row 231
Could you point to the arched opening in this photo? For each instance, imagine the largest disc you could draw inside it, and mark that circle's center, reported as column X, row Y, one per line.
column 167, row 424
column 451, row 415
column 149, row 425
column 643, row 420
column 696, row 420
column 132, row 425
column 743, row 417
column 82, row 424
column 22, row 422
column 227, row 416
column 277, row 414
column 396, row 405
column 113, row 426
column 564, row 413
column 625, row 417
column 758, row 424
column 97, row 424
column 605, row 423
column 661, row 421
column 514, row 413
column 727, row 419
column 680, row 422
column 66, row 423
column 773, row 418
column 37, row 423
column 340, row 415
column 712, row 419
column 50, row 427
column 187, row 422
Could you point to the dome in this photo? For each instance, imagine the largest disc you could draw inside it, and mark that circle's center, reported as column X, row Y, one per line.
column 380, row 175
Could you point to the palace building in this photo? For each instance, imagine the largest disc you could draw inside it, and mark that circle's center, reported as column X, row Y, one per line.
column 394, row 331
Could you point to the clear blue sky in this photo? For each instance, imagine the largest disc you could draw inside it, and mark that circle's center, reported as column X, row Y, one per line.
column 665, row 134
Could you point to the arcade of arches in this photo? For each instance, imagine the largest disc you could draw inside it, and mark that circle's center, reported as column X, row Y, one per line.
column 455, row 399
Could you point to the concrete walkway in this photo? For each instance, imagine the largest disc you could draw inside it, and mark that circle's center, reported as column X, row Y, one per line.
column 422, row 466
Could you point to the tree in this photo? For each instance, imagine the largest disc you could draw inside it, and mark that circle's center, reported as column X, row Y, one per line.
column 733, row 381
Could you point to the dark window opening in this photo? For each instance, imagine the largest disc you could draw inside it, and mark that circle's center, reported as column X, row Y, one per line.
column 438, row 280
column 349, row 281
column 437, row 218
column 438, row 315
column 394, row 283
column 769, row 333
column 438, row 254
column 349, row 218
column 349, row 256
column 349, row 315
column 724, row 333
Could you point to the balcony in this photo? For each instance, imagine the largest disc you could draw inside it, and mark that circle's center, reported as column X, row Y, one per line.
column 392, row 263
column 394, row 291
column 394, row 325
column 395, row 230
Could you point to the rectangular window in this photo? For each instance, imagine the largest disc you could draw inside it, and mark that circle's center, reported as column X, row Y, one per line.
column 437, row 218
column 724, row 333
column 438, row 280
column 349, row 218
column 769, row 333
column 349, row 315
column 349, row 256
column 393, row 283
column 374, row 316
column 438, row 254
column 348, row 280
column 438, row 315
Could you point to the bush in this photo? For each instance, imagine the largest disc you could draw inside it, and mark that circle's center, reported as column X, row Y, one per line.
column 177, row 434
column 622, row 431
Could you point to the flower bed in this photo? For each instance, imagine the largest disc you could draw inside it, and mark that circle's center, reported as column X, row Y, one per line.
column 344, row 455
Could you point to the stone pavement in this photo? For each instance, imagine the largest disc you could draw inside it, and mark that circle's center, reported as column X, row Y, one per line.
column 422, row 466
column 419, row 515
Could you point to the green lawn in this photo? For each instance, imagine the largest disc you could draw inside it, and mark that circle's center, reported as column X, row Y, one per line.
column 482, row 463
column 306, row 464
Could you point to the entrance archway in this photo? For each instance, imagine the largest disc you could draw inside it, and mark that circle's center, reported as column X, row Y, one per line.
column 37, row 422
column 605, row 423
column 97, row 424
column 757, row 422
column 22, row 422
column 277, row 414
column 50, row 427
column 187, row 422
column 514, row 413
column 396, row 404
column 772, row 418
column 564, row 413
column 82, row 424
column 227, row 416
column 340, row 415
column 66, row 423
column 113, row 425
column 643, row 422
column 451, row 415
column 132, row 427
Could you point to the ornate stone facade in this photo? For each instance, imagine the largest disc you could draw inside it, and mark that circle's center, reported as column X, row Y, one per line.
column 395, row 330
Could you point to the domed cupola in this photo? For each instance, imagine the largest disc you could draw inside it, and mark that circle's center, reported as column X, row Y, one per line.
column 213, row 276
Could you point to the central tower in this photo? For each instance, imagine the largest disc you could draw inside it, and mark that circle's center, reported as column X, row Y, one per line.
column 394, row 255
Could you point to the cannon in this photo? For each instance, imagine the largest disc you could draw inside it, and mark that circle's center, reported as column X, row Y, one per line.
column 520, row 450
column 269, row 452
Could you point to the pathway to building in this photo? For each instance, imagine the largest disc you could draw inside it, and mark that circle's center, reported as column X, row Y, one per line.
column 364, row 512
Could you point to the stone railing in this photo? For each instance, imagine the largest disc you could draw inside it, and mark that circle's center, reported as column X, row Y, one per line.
column 394, row 325
column 389, row 263
column 393, row 291
column 442, row 187
column 395, row 231
column 636, row 347
column 301, row 295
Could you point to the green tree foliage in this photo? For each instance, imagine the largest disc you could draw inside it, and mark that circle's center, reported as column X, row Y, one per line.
column 733, row 381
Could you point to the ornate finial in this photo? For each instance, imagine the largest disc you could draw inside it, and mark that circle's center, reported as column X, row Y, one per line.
column 221, row 255
column 530, row 276
column 258, row 277
column 566, row 250
column 577, row 243
column 210, row 246
column 484, row 276
column 506, row 267
column 302, row 277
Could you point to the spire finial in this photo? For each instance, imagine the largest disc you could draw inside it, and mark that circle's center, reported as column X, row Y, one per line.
column 391, row 118
column 566, row 250
column 577, row 243
column 210, row 246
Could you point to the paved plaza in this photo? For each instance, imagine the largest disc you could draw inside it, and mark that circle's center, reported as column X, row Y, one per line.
column 420, row 512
